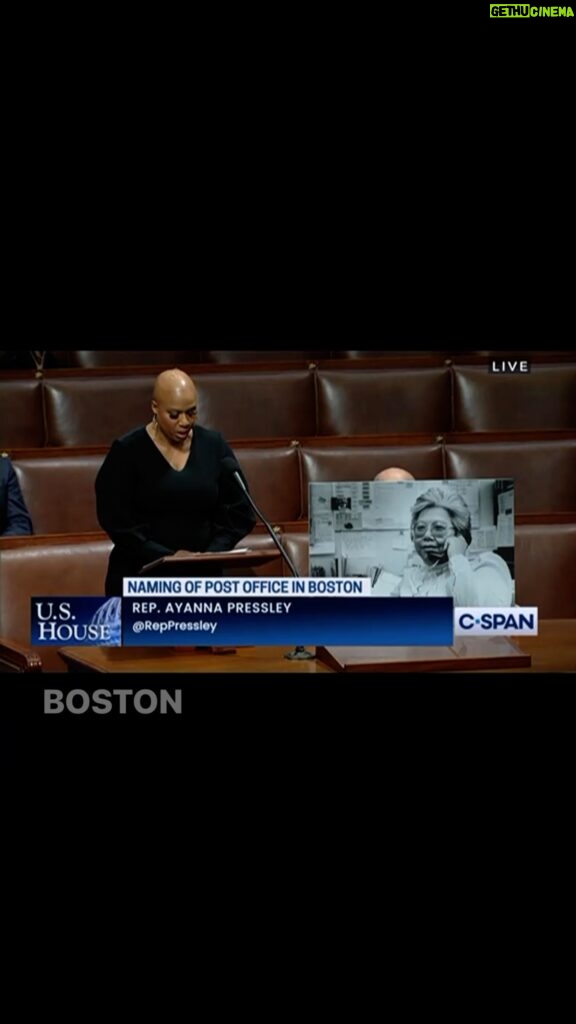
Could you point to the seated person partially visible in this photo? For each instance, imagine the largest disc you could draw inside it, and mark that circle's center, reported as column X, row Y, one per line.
column 393, row 473
column 14, row 516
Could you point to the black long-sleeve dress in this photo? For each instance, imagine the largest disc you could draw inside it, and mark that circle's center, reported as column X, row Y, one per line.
column 148, row 509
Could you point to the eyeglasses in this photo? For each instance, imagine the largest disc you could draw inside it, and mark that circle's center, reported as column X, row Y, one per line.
column 438, row 530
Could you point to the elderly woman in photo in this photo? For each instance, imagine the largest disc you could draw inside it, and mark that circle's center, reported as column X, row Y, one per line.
column 440, row 565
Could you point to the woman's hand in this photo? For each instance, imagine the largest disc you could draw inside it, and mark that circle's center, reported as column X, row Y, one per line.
column 456, row 545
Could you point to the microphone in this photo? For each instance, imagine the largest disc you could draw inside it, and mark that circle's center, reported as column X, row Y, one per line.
column 231, row 466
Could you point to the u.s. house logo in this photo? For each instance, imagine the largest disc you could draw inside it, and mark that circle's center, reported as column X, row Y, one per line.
column 528, row 11
column 76, row 621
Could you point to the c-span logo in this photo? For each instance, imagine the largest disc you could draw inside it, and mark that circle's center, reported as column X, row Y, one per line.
column 495, row 622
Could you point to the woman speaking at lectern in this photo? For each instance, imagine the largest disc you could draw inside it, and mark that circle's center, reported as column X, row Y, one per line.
column 162, row 489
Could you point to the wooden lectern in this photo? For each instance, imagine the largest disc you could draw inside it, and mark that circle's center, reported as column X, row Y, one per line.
column 201, row 565
column 185, row 565
column 467, row 652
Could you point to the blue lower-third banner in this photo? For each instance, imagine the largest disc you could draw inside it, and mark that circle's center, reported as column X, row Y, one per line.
column 292, row 620
column 187, row 621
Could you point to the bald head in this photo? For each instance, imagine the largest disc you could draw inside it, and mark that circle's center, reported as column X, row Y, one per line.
column 394, row 473
column 175, row 406
column 173, row 385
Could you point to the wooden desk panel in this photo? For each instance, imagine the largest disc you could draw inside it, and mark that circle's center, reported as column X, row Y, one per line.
column 554, row 650
column 249, row 660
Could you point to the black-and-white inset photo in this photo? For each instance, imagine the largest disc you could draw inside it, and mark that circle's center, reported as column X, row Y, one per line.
column 418, row 538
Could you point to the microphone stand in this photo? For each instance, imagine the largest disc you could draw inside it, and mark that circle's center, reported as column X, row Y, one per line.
column 299, row 653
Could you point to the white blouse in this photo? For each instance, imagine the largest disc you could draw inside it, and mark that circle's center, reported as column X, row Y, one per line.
column 481, row 581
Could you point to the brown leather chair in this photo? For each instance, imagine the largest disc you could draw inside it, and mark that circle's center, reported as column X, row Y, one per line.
column 273, row 475
column 357, row 402
column 544, row 471
column 544, row 399
column 258, row 404
column 361, row 462
column 545, row 564
column 297, row 546
column 95, row 410
column 59, row 491
column 21, row 414
column 45, row 568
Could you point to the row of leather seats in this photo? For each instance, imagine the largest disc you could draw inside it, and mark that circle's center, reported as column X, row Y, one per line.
column 127, row 357
column 77, row 410
column 77, row 567
column 59, row 486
